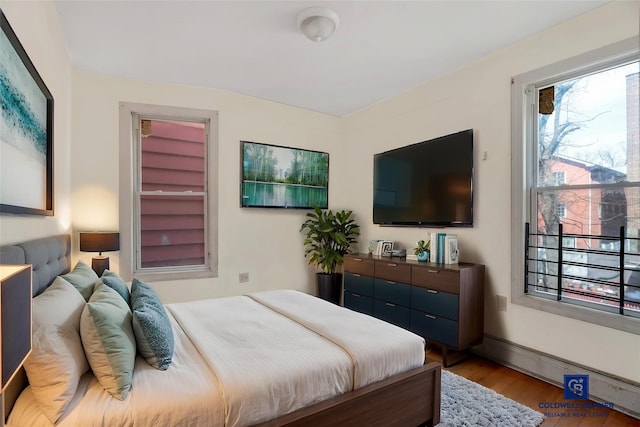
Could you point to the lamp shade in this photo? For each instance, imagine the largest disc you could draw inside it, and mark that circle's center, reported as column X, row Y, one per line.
column 99, row 242
column 15, row 319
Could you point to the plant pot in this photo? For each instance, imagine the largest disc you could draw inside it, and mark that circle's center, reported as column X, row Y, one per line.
column 329, row 286
column 423, row 256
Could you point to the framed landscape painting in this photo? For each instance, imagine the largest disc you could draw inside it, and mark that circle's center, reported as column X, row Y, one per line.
column 282, row 177
column 26, row 131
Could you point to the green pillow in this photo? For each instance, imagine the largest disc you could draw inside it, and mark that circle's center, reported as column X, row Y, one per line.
column 82, row 277
column 116, row 283
column 108, row 340
column 151, row 326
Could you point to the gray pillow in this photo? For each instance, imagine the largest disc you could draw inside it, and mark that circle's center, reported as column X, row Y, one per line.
column 83, row 278
column 116, row 283
column 151, row 326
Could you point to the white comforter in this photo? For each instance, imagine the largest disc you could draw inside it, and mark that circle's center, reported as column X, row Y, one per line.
column 267, row 364
column 377, row 349
column 242, row 360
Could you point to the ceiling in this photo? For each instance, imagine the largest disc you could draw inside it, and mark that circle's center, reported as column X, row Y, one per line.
column 381, row 49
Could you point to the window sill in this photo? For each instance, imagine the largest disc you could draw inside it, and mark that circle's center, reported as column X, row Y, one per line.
column 161, row 276
column 602, row 318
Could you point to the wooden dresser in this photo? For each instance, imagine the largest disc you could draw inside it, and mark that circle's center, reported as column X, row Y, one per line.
column 442, row 303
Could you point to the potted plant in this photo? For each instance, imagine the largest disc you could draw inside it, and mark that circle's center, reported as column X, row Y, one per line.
column 422, row 250
column 328, row 238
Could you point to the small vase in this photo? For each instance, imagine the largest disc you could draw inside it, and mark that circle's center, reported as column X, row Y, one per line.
column 423, row 256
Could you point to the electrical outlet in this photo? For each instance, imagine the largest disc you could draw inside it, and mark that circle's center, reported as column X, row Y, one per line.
column 243, row 277
column 502, row 302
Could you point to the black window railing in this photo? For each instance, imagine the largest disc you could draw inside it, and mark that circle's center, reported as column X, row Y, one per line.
column 597, row 271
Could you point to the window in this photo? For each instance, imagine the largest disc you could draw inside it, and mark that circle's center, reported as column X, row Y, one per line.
column 576, row 145
column 168, row 211
column 558, row 177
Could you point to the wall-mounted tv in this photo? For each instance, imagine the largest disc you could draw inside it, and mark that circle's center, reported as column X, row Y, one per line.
column 283, row 177
column 426, row 184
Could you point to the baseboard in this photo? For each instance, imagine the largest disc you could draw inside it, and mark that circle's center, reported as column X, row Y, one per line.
column 603, row 387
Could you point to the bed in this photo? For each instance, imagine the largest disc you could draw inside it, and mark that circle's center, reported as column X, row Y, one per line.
column 274, row 358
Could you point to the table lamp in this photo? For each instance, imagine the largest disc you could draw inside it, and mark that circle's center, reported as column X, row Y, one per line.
column 99, row 242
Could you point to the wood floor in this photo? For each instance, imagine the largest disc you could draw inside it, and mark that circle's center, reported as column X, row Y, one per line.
column 532, row 392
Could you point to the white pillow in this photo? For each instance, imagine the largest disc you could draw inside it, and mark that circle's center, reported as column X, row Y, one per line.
column 57, row 359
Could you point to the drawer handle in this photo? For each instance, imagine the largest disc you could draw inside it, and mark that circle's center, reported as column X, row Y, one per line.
column 357, row 259
column 389, row 304
column 430, row 316
column 392, row 283
column 392, row 265
column 357, row 275
column 432, row 291
column 355, row 295
column 434, row 271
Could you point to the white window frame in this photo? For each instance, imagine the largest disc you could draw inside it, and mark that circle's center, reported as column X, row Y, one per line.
column 523, row 149
column 129, row 214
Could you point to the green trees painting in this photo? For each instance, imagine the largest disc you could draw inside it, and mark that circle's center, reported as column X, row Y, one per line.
column 284, row 177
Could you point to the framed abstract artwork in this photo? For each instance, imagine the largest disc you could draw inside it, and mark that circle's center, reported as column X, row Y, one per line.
column 26, row 131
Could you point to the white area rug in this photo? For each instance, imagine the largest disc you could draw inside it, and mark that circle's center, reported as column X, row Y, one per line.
column 465, row 403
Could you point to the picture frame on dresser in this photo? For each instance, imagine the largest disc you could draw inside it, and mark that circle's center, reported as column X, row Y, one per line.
column 26, row 132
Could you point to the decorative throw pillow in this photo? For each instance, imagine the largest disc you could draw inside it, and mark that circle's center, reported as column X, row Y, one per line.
column 107, row 337
column 57, row 359
column 83, row 278
column 151, row 326
column 116, row 283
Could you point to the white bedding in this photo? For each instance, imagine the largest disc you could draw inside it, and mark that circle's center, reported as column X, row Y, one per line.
column 267, row 364
column 186, row 394
column 244, row 360
column 378, row 349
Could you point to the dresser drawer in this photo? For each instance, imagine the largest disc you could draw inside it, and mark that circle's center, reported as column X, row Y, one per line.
column 358, row 283
column 359, row 265
column 437, row 279
column 392, row 313
column 393, row 271
column 357, row 302
column 435, row 302
column 434, row 328
column 390, row 291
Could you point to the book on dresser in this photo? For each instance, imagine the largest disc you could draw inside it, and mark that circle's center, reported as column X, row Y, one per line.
column 433, row 246
column 444, row 248
column 451, row 253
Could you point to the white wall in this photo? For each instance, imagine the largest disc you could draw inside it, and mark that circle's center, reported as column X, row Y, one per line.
column 37, row 27
column 266, row 243
column 478, row 97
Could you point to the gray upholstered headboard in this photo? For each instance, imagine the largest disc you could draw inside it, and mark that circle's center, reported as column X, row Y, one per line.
column 48, row 256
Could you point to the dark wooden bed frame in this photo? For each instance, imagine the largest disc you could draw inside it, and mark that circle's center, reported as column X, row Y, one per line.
column 408, row 399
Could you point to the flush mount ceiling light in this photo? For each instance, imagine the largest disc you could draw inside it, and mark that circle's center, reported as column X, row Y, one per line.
column 318, row 23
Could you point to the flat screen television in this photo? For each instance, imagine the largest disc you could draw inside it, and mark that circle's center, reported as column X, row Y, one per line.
column 283, row 177
column 426, row 184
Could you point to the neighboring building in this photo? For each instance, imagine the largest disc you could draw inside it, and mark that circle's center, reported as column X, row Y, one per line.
column 588, row 211
column 633, row 158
